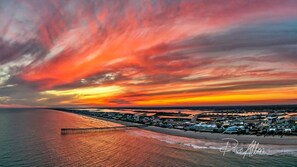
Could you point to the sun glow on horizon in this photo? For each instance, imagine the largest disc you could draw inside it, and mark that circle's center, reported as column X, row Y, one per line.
column 88, row 92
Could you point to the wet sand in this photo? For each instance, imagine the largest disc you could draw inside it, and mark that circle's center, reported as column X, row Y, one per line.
column 274, row 140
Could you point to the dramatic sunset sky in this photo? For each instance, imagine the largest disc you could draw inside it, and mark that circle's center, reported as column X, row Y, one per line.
column 147, row 53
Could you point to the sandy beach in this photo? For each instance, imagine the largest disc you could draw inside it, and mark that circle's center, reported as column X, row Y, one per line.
column 274, row 140
column 216, row 137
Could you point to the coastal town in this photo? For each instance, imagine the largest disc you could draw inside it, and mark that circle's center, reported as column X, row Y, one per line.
column 236, row 121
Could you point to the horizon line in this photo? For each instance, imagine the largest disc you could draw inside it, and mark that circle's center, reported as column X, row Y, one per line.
column 151, row 107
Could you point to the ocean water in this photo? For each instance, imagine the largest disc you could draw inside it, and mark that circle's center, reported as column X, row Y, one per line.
column 31, row 137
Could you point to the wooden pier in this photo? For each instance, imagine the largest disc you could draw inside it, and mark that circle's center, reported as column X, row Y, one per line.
column 66, row 131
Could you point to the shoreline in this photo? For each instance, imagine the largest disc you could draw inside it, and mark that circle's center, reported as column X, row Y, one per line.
column 215, row 137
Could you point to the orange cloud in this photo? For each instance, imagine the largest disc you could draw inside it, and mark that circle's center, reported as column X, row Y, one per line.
column 155, row 53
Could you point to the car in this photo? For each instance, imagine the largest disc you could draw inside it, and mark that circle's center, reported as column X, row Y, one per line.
column 287, row 131
column 272, row 131
column 231, row 130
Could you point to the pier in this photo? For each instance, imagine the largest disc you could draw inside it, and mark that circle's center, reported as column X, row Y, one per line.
column 66, row 131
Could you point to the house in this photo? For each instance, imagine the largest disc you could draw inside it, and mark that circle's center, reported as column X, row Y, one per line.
column 175, row 118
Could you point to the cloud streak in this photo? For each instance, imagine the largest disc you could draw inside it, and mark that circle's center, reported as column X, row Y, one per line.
column 154, row 52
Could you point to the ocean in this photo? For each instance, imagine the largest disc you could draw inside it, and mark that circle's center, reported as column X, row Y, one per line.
column 31, row 137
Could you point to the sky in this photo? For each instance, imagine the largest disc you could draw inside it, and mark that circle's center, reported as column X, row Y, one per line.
column 147, row 53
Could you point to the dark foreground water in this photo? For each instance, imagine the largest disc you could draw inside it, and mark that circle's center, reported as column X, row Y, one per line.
column 32, row 138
